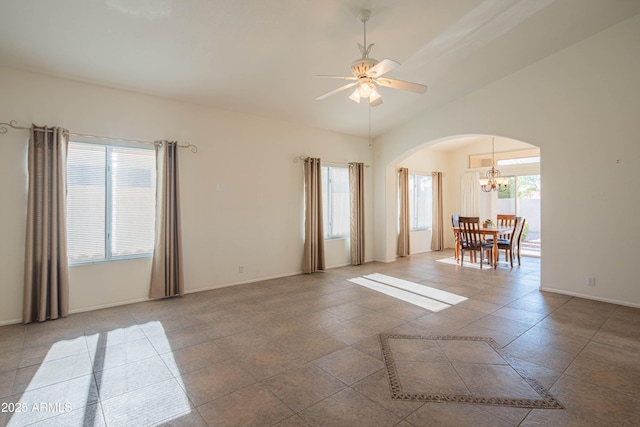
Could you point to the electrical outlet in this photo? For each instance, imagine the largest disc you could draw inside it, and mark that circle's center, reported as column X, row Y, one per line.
column 241, row 269
column 591, row 281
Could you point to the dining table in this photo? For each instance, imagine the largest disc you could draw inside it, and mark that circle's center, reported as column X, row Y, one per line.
column 503, row 232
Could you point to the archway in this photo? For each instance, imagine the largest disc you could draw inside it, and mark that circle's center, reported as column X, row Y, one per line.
column 454, row 155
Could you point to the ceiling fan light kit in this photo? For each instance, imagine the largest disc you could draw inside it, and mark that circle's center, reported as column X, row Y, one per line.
column 366, row 72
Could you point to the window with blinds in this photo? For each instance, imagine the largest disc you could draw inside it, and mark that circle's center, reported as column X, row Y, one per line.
column 420, row 201
column 335, row 202
column 111, row 193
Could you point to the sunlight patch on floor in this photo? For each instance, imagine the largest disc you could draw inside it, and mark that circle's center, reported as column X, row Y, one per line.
column 416, row 288
column 66, row 385
column 414, row 293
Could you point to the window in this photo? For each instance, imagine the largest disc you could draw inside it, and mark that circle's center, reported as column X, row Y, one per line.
column 335, row 201
column 420, row 195
column 504, row 158
column 520, row 161
column 111, row 195
column 522, row 197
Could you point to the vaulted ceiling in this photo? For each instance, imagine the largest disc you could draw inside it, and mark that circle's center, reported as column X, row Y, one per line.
column 260, row 56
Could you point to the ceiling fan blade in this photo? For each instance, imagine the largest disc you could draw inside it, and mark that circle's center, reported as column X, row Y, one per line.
column 383, row 67
column 402, row 85
column 341, row 88
column 336, row 77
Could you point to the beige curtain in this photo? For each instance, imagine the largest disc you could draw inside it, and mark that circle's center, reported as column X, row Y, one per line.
column 356, row 189
column 313, row 258
column 437, row 229
column 167, row 275
column 404, row 212
column 46, row 271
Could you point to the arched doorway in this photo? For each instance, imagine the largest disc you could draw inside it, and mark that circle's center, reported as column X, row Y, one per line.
column 459, row 155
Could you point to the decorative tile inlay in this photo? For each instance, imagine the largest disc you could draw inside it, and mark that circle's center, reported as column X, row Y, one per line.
column 546, row 400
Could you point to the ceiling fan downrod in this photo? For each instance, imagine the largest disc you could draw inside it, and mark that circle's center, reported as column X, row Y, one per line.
column 364, row 49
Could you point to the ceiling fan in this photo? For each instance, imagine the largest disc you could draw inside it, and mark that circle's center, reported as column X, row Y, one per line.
column 367, row 72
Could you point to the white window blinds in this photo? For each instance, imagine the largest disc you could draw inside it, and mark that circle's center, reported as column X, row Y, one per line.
column 335, row 201
column 420, row 201
column 110, row 202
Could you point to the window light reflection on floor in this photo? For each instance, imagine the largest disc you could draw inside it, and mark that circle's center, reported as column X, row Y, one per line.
column 78, row 376
column 414, row 293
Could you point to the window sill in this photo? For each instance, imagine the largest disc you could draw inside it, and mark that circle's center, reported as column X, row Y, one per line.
column 103, row 261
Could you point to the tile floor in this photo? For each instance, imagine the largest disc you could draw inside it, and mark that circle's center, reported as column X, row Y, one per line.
column 305, row 351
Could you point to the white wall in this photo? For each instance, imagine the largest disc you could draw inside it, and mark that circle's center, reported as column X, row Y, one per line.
column 581, row 107
column 242, row 193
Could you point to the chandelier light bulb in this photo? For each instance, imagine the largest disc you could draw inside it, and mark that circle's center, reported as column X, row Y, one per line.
column 355, row 96
column 374, row 95
column 365, row 89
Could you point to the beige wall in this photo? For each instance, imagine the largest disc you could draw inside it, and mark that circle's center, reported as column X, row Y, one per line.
column 242, row 193
column 581, row 107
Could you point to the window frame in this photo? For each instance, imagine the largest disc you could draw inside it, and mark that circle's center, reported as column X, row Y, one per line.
column 109, row 146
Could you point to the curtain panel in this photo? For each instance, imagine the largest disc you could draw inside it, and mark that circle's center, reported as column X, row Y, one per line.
column 469, row 205
column 404, row 212
column 167, row 274
column 356, row 190
column 46, row 270
column 313, row 257
column 437, row 229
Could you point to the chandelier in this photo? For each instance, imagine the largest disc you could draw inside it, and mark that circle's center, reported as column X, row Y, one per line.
column 493, row 180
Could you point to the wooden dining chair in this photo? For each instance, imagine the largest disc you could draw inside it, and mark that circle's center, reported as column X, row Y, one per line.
column 471, row 239
column 455, row 222
column 519, row 239
column 511, row 245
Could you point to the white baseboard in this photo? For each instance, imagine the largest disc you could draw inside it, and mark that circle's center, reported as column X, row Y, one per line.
column 339, row 265
column 244, row 282
column 113, row 304
column 385, row 261
column 421, row 252
column 591, row 297
column 137, row 300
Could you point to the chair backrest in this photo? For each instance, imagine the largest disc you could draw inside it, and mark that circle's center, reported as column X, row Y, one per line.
column 455, row 220
column 469, row 235
column 506, row 220
column 514, row 239
column 518, row 231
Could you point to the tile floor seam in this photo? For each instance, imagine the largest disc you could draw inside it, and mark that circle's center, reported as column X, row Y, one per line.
column 589, row 379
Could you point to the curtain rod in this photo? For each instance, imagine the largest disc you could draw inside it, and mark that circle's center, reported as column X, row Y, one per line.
column 303, row 158
column 14, row 124
column 418, row 172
